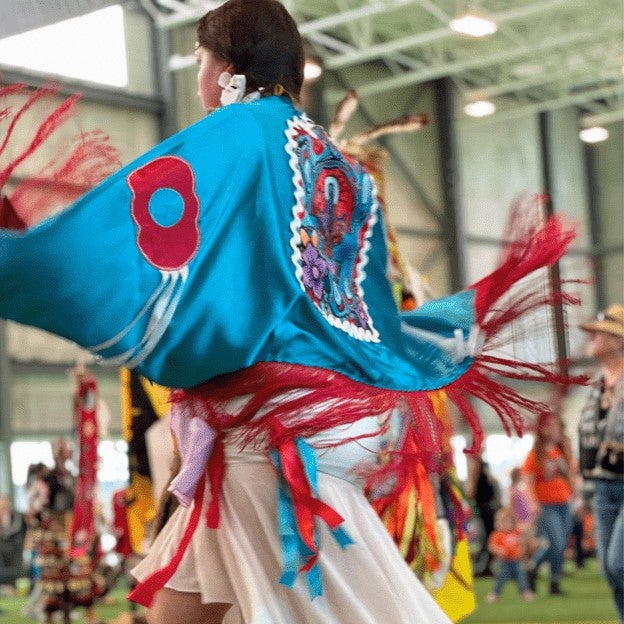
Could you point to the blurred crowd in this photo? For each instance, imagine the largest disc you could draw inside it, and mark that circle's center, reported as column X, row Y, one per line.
column 543, row 516
column 36, row 546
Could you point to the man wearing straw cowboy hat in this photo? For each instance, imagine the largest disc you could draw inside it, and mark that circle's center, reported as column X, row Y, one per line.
column 601, row 443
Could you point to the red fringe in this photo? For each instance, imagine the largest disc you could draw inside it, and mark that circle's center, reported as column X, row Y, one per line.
column 501, row 298
column 544, row 247
column 83, row 162
column 47, row 128
column 281, row 398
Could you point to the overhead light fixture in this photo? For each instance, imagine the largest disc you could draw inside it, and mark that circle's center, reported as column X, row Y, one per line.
column 312, row 70
column 595, row 134
column 474, row 23
column 481, row 108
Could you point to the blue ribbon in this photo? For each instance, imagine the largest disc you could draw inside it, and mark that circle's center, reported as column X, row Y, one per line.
column 295, row 552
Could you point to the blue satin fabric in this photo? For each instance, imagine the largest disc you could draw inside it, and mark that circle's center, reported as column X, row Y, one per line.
column 82, row 275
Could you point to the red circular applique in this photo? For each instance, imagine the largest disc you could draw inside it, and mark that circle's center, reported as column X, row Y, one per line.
column 166, row 247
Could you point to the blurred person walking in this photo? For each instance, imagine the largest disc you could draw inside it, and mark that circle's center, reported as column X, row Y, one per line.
column 549, row 469
column 601, row 444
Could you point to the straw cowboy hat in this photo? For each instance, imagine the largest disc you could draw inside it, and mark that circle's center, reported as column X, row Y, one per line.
column 610, row 321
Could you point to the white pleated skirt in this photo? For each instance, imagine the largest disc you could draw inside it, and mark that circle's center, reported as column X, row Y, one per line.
column 241, row 562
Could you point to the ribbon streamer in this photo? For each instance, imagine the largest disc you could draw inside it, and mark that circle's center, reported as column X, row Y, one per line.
column 297, row 505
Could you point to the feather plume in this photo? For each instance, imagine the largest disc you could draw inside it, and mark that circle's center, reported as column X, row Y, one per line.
column 347, row 106
column 407, row 123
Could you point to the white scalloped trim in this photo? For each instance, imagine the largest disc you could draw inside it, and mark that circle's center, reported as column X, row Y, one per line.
column 299, row 212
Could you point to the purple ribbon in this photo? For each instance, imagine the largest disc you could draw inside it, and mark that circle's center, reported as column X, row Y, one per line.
column 195, row 438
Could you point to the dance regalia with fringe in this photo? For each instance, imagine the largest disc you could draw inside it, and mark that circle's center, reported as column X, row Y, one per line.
column 246, row 256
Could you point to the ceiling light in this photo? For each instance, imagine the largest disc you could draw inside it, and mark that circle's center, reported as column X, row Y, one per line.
column 473, row 23
column 482, row 108
column 312, row 69
column 595, row 134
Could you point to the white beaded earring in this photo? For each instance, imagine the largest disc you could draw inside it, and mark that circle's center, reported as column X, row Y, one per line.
column 233, row 87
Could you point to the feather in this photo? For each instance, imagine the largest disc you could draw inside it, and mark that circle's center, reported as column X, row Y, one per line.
column 347, row 106
column 407, row 123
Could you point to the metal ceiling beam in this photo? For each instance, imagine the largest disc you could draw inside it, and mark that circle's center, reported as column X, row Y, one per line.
column 447, row 69
column 331, row 43
column 176, row 5
column 186, row 15
column 574, row 99
column 513, row 86
column 360, row 29
column 328, row 22
column 347, row 17
column 603, row 118
column 439, row 34
column 178, row 61
column 436, row 11
column 338, row 45
column 89, row 92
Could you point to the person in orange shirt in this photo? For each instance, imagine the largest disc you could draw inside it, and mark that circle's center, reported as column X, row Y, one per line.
column 507, row 545
column 550, row 469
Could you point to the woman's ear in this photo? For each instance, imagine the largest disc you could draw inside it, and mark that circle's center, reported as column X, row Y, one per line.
column 226, row 75
column 224, row 79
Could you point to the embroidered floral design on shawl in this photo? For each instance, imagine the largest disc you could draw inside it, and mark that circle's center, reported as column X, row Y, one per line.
column 334, row 212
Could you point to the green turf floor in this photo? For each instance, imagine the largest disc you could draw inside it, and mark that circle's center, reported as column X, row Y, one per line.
column 586, row 601
column 110, row 607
